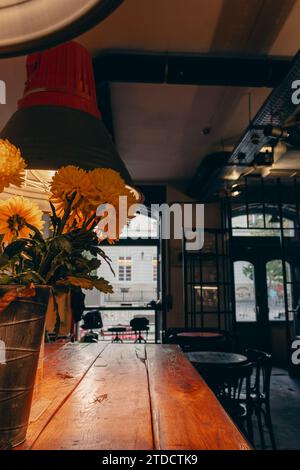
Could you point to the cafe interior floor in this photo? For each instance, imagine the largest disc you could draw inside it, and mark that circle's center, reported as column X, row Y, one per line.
column 285, row 409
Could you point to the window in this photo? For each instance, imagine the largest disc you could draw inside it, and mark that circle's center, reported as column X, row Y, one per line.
column 125, row 265
column 276, row 293
column 257, row 224
column 154, row 268
column 141, row 226
column 244, row 286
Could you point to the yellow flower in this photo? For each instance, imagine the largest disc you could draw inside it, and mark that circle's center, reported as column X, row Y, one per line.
column 15, row 213
column 67, row 181
column 106, row 186
column 97, row 187
column 12, row 165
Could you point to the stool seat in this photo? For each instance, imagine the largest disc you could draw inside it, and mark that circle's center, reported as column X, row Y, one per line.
column 117, row 330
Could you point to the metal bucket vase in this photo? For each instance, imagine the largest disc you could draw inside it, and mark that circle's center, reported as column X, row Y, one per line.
column 21, row 333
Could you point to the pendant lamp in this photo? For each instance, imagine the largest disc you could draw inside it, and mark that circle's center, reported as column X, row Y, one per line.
column 29, row 25
column 58, row 122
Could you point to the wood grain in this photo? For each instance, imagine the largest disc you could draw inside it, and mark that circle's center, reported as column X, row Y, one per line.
column 129, row 397
column 185, row 413
column 109, row 409
column 64, row 368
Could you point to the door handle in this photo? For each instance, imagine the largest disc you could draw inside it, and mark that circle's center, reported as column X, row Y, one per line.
column 257, row 310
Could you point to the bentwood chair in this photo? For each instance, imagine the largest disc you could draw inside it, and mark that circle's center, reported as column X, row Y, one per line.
column 233, row 389
column 260, row 392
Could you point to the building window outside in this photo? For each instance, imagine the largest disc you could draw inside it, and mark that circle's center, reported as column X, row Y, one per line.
column 154, row 268
column 125, row 268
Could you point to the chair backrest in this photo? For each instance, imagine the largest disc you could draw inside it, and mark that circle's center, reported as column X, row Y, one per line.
column 92, row 319
column 262, row 363
column 139, row 323
column 232, row 381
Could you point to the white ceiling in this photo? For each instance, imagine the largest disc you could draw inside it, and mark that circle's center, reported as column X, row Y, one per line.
column 158, row 128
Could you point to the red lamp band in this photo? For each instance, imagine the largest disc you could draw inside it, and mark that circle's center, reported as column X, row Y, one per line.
column 61, row 76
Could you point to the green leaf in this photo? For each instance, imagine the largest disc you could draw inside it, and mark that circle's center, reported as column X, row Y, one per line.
column 54, row 218
column 30, row 276
column 83, row 282
column 6, row 279
column 62, row 243
column 103, row 286
column 15, row 248
column 4, row 260
column 36, row 232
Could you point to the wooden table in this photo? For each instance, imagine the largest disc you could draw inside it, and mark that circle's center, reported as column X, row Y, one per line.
column 129, row 397
column 215, row 358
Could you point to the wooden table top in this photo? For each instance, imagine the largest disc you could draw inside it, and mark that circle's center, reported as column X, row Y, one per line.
column 105, row 396
column 200, row 334
column 216, row 358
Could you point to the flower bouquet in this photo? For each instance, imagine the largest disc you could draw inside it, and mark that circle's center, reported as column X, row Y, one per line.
column 32, row 264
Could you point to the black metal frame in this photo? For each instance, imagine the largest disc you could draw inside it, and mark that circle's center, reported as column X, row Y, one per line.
column 280, row 197
column 198, row 267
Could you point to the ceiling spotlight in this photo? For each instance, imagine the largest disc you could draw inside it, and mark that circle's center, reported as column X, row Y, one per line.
column 265, row 157
column 275, row 132
column 274, row 219
column 241, row 156
column 235, row 190
column 255, row 139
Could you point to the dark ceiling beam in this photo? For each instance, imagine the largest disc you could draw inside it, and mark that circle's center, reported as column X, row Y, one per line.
column 190, row 69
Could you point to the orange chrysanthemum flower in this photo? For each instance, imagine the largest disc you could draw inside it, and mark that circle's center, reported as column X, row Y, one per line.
column 67, row 181
column 15, row 213
column 12, row 165
column 106, row 186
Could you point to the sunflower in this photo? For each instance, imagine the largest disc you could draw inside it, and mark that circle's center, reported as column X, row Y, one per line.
column 12, row 165
column 16, row 213
column 66, row 182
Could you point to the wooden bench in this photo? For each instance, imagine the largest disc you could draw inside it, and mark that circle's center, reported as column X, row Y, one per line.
column 128, row 397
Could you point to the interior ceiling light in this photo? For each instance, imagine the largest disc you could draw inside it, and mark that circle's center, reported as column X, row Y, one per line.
column 234, row 174
column 58, row 121
column 264, row 158
column 275, row 132
column 28, row 25
column 236, row 190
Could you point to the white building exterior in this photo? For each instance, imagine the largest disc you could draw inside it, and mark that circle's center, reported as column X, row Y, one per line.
column 135, row 278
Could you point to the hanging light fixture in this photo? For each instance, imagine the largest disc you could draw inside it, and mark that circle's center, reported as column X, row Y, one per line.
column 29, row 25
column 58, row 121
column 274, row 219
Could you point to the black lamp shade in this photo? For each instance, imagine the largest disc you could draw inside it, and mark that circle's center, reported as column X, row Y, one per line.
column 52, row 136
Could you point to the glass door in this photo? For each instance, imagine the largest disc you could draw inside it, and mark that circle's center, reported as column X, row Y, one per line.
column 276, row 292
column 251, row 302
column 263, row 299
